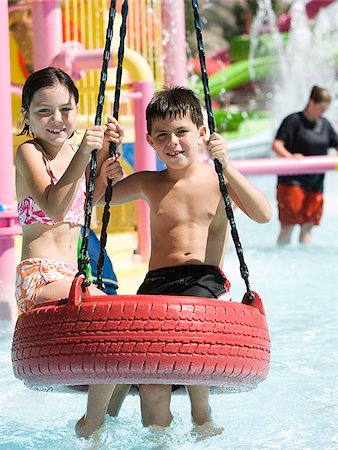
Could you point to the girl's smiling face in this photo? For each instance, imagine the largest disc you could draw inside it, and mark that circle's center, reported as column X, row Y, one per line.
column 52, row 114
column 175, row 140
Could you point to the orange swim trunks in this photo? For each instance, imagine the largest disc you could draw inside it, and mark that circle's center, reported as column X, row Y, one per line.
column 297, row 205
column 34, row 273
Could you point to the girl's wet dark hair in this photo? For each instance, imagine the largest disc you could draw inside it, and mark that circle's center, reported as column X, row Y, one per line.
column 48, row 77
column 174, row 101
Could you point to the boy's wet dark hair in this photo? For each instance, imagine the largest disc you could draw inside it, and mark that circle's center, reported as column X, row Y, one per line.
column 48, row 77
column 174, row 101
column 319, row 95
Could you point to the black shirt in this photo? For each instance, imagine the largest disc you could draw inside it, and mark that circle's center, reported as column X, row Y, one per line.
column 310, row 138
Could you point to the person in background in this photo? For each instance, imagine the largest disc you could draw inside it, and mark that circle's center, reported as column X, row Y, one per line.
column 188, row 225
column 300, row 197
column 51, row 190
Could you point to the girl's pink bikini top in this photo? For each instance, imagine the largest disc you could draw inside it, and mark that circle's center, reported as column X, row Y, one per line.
column 29, row 211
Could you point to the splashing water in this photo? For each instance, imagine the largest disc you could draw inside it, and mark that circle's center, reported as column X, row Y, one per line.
column 265, row 16
column 309, row 56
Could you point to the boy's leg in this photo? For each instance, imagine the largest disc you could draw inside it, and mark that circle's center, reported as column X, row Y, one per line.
column 305, row 233
column 155, row 404
column 116, row 400
column 97, row 403
column 284, row 237
column 200, row 408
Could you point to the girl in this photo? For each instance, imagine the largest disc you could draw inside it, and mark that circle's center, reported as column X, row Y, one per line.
column 50, row 186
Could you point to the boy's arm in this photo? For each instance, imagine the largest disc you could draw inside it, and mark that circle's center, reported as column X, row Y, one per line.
column 246, row 196
column 127, row 189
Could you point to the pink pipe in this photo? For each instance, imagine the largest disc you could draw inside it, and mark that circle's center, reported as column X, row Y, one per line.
column 8, row 218
column 145, row 159
column 16, row 91
column 287, row 166
column 47, row 36
column 18, row 7
column 75, row 60
column 174, row 43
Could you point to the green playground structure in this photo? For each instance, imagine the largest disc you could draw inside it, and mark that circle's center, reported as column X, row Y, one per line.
column 248, row 133
column 239, row 73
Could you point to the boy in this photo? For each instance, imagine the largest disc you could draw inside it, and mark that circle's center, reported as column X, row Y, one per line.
column 188, row 224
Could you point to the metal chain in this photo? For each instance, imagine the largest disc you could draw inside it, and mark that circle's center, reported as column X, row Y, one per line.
column 112, row 146
column 218, row 166
column 83, row 259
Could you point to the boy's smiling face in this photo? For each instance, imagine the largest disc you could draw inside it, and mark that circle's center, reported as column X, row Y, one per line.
column 176, row 140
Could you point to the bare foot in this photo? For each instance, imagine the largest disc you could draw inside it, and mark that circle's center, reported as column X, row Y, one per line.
column 97, row 403
column 208, row 429
column 86, row 427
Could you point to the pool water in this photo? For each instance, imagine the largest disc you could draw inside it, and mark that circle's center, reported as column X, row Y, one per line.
column 294, row 409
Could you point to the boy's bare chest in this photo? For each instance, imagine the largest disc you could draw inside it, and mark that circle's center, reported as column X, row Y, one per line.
column 186, row 202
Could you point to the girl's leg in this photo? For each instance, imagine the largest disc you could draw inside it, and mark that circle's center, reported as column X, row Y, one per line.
column 99, row 394
column 116, row 400
column 155, row 404
column 200, row 408
column 97, row 403
column 55, row 290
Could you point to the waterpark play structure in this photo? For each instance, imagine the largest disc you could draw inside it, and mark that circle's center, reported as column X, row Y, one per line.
column 74, row 40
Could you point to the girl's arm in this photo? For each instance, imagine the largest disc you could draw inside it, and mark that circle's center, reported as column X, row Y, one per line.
column 32, row 177
column 110, row 168
column 114, row 133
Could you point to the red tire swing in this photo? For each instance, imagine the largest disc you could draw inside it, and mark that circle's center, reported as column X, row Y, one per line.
column 142, row 339
column 136, row 339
